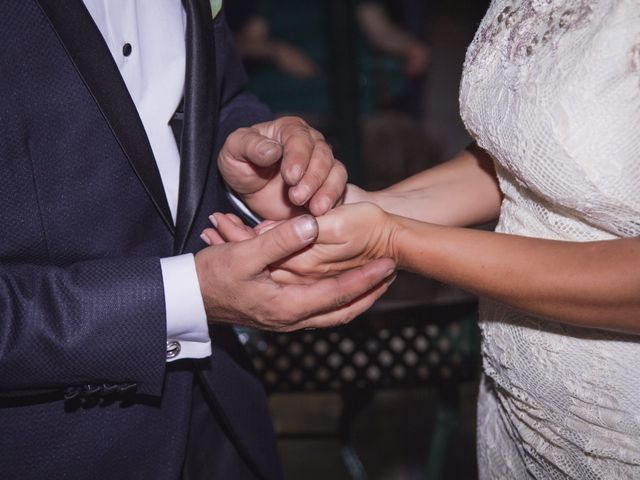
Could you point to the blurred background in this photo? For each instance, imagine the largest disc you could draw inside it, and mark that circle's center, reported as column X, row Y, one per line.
column 392, row 395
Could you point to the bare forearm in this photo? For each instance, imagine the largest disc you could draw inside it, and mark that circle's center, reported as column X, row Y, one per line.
column 381, row 31
column 462, row 191
column 592, row 284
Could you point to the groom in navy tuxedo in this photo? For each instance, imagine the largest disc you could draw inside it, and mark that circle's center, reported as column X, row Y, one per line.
column 123, row 125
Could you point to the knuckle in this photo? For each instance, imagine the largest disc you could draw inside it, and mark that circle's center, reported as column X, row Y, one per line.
column 323, row 149
column 299, row 122
column 318, row 136
column 340, row 169
column 289, row 119
column 299, row 128
column 302, row 134
column 315, row 177
column 242, row 132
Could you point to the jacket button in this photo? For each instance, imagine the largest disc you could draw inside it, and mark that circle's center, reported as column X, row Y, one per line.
column 71, row 393
column 90, row 390
column 109, row 389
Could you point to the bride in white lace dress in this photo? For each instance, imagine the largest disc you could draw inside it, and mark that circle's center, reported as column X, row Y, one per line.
column 552, row 90
column 551, row 94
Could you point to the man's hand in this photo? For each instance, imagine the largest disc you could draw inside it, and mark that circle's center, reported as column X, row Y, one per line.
column 349, row 236
column 282, row 168
column 237, row 286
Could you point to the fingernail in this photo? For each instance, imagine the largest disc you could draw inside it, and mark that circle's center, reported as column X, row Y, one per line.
column 205, row 239
column 295, row 174
column 389, row 272
column 306, row 227
column 324, row 204
column 301, row 194
column 213, row 220
column 268, row 148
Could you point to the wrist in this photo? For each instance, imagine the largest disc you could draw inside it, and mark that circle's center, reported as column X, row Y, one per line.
column 208, row 284
column 397, row 231
column 355, row 194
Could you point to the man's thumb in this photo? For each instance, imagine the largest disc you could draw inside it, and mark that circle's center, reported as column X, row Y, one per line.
column 285, row 239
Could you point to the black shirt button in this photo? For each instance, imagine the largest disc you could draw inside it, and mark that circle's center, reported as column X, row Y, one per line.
column 126, row 49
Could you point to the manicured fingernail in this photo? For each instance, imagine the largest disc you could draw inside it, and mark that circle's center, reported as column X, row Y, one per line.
column 306, row 227
column 213, row 220
column 295, row 174
column 205, row 239
column 267, row 148
column 301, row 194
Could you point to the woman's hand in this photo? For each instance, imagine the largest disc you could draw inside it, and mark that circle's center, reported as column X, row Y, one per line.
column 349, row 236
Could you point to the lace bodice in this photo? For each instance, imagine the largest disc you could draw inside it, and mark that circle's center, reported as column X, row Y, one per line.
column 551, row 89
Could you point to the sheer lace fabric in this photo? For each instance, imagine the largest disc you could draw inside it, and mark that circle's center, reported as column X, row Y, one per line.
column 551, row 89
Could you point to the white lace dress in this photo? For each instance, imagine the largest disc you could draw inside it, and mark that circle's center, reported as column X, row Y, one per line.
column 551, row 89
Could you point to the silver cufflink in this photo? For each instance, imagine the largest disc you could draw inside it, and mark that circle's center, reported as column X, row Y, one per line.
column 173, row 349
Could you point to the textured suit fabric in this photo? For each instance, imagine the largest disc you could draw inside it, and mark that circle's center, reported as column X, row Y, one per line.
column 81, row 296
column 206, row 436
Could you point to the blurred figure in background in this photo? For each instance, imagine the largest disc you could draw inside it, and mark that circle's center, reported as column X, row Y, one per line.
column 286, row 45
column 388, row 37
column 256, row 45
column 286, row 49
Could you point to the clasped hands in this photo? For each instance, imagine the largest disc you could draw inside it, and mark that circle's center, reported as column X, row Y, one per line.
column 310, row 265
column 346, row 237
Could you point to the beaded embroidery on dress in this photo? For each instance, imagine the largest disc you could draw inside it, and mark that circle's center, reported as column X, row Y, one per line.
column 551, row 89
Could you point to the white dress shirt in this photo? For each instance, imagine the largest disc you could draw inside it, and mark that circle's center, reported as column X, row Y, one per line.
column 147, row 41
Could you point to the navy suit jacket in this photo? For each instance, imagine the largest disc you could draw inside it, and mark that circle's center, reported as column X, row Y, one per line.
column 85, row 390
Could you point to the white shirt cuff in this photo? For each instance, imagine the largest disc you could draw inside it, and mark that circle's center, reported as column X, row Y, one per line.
column 186, row 317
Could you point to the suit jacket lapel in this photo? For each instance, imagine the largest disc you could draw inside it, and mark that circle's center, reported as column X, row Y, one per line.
column 200, row 111
column 93, row 61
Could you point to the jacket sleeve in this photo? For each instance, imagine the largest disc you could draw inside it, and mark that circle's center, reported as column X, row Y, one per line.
column 238, row 108
column 98, row 322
